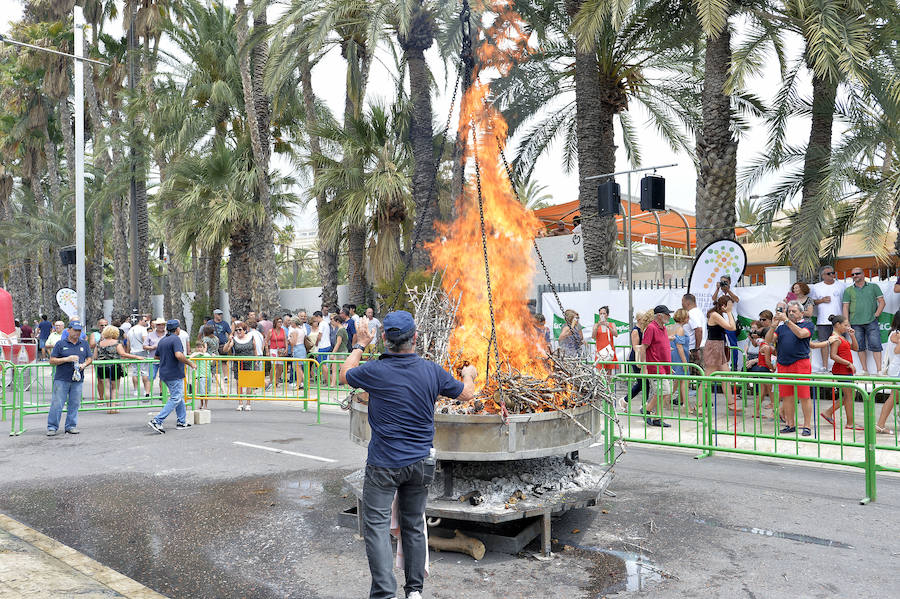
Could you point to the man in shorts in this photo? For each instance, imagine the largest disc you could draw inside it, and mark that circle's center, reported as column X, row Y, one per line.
column 863, row 304
column 794, row 333
column 657, row 349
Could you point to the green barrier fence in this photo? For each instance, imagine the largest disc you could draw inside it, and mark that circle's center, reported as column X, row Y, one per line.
column 33, row 389
column 7, row 374
column 726, row 426
column 251, row 378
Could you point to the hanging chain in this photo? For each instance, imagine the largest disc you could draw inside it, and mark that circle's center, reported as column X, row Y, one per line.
column 487, row 272
column 537, row 251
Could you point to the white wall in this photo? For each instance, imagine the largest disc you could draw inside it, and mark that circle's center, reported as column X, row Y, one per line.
column 553, row 251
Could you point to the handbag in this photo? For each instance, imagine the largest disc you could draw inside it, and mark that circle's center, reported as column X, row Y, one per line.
column 310, row 341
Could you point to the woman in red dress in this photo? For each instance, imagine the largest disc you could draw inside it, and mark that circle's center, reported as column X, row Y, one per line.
column 276, row 341
column 604, row 335
column 843, row 366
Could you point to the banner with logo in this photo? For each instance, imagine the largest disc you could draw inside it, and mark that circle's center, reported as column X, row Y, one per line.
column 718, row 259
column 68, row 302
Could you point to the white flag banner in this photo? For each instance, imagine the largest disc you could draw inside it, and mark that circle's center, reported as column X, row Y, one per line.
column 68, row 302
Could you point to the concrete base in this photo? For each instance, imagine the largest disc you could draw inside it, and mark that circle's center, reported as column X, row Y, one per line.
column 202, row 416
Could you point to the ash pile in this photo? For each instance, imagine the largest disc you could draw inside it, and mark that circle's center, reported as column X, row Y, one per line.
column 493, row 484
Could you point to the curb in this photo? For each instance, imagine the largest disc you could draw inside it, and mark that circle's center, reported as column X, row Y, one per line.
column 78, row 561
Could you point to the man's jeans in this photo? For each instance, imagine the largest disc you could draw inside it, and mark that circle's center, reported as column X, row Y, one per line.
column 64, row 392
column 378, row 495
column 176, row 402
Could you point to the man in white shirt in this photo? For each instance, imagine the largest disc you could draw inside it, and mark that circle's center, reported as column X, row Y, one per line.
column 697, row 324
column 373, row 324
column 137, row 338
column 828, row 297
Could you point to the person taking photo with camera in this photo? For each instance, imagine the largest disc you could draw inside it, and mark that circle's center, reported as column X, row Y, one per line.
column 724, row 289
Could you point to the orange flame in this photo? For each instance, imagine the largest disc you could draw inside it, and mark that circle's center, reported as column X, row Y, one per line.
column 509, row 227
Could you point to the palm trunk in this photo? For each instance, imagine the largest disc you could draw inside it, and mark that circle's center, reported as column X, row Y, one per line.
column 818, row 154
column 145, row 285
column 716, row 148
column 95, row 293
column 356, row 272
column 213, row 260
column 240, row 277
column 121, row 269
column 260, row 254
column 596, row 155
column 327, row 252
column 421, row 138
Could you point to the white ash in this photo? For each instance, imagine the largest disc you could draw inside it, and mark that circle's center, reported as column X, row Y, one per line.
column 497, row 481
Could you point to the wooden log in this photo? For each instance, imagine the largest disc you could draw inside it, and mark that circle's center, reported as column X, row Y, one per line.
column 459, row 543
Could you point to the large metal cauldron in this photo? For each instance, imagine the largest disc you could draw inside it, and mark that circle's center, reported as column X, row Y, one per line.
column 474, row 438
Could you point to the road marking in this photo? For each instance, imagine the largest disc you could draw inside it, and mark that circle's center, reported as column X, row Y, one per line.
column 277, row 450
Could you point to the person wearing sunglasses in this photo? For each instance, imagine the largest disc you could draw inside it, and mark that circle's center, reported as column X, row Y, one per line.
column 863, row 304
column 828, row 297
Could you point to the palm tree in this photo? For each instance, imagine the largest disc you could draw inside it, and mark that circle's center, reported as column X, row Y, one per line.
column 533, row 195
column 376, row 196
column 839, row 39
column 615, row 55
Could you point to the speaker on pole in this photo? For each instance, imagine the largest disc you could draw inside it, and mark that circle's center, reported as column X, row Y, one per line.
column 608, row 198
column 67, row 256
column 653, row 193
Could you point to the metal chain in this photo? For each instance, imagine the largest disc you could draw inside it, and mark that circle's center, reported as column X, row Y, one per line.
column 487, row 268
column 417, row 233
column 533, row 241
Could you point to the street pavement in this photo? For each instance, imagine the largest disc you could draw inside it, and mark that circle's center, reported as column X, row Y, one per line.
column 247, row 507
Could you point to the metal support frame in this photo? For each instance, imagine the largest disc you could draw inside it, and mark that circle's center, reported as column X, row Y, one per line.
column 630, row 274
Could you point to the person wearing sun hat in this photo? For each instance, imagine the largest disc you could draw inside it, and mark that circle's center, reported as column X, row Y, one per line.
column 172, row 361
column 71, row 355
column 402, row 389
column 657, row 349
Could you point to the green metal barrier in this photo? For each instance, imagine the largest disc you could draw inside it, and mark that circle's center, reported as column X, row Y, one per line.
column 251, row 378
column 33, row 388
column 722, row 428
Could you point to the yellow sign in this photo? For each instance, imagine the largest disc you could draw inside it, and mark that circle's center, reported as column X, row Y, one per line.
column 255, row 379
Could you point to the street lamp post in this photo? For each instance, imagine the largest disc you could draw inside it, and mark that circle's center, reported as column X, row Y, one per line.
column 79, row 145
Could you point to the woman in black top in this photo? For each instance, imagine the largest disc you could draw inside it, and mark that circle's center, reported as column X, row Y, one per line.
column 715, row 356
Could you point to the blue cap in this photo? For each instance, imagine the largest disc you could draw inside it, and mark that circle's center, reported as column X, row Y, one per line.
column 76, row 325
column 398, row 323
column 172, row 324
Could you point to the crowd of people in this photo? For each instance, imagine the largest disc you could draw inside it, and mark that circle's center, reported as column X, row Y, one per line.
column 846, row 322
column 150, row 345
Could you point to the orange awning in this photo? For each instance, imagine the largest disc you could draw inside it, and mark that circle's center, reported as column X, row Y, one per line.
column 675, row 229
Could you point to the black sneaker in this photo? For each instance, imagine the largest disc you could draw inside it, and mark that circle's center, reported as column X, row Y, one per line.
column 788, row 429
column 181, row 426
column 156, row 426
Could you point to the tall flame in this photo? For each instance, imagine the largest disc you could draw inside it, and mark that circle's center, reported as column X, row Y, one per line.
column 509, row 227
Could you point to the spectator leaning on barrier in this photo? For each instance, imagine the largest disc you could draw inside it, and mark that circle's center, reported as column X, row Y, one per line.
column 863, row 304
column 137, row 338
column 171, row 372
column 656, row 349
column 828, row 296
column 402, row 388
column 71, row 356
column 793, row 333
column 153, row 338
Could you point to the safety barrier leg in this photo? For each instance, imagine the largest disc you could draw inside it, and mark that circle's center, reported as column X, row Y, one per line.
column 869, row 436
column 704, row 393
column 18, row 397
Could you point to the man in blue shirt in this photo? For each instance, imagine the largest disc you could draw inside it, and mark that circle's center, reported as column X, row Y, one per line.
column 793, row 333
column 70, row 353
column 221, row 328
column 44, row 328
column 172, row 361
column 402, row 389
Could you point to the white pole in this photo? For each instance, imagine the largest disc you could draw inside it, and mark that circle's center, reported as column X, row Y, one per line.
column 79, row 163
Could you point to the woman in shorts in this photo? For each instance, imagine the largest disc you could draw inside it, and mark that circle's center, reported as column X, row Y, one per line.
column 110, row 348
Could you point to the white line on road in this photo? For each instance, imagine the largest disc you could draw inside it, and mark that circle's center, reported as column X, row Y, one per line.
column 277, row 450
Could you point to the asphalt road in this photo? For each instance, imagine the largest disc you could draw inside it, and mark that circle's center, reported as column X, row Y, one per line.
column 195, row 514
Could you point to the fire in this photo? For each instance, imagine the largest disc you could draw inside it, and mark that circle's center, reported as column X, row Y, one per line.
column 509, row 227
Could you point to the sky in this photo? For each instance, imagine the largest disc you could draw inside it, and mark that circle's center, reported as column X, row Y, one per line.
column 680, row 180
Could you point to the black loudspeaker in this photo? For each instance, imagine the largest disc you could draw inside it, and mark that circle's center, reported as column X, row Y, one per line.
column 608, row 198
column 653, row 193
column 67, row 256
